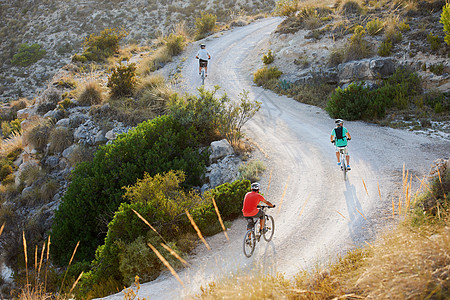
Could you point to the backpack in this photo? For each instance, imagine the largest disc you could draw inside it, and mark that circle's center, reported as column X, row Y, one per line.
column 338, row 132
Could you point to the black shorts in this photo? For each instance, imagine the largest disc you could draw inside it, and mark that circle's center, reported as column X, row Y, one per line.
column 203, row 63
column 250, row 222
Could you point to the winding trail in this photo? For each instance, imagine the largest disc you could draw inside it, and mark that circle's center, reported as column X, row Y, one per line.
column 318, row 215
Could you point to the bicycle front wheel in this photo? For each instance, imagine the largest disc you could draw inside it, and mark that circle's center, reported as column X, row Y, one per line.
column 269, row 225
column 249, row 243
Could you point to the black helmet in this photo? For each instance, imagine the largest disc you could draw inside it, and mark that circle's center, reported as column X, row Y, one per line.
column 338, row 121
column 202, row 45
column 255, row 186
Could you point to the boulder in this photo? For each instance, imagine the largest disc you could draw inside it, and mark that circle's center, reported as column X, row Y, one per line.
column 86, row 133
column 225, row 170
column 119, row 128
column 77, row 118
column 63, row 122
column 366, row 69
column 55, row 114
column 52, row 161
column 220, row 149
column 100, row 138
column 68, row 151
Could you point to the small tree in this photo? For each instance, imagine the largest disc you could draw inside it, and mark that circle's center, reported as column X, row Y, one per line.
column 445, row 20
column 236, row 115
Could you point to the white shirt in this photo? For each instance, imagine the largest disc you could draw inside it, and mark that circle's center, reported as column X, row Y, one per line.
column 203, row 54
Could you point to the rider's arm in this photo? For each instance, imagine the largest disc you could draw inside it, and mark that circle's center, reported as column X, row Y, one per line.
column 267, row 202
column 349, row 136
column 332, row 138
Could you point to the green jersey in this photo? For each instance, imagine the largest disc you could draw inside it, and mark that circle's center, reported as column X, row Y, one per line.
column 340, row 141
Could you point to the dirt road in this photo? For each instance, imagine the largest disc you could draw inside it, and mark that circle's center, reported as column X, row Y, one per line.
column 318, row 215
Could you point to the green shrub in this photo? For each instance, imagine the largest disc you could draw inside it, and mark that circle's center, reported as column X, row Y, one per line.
column 95, row 192
column 122, row 81
column 374, row 27
column 203, row 111
column 229, row 197
column 5, row 169
column 79, row 58
column 268, row 58
column 262, row 76
column 28, row 55
column 12, row 127
column 357, row 47
column 403, row 26
column 385, row 48
column 434, row 41
column 286, row 8
column 235, row 115
column 437, row 69
column 438, row 101
column 445, row 20
column 252, row 170
column 357, row 102
column 349, row 103
column 162, row 202
column 204, row 25
column 174, row 44
column 92, row 92
column 99, row 47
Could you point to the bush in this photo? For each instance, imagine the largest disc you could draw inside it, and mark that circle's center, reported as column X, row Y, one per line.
column 59, row 138
column 434, row 41
column 204, row 112
column 204, row 25
column 91, row 94
column 357, row 47
column 38, row 135
column 252, row 170
column 268, row 58
column 96, row 192
column 162, row 202
column 336, row 57
column 374, row 27
column 445, row 20
column 99, row 47
column 350, row 7
column 28, row 55
column 122, row 81
column 12, row 127
column 385, row 48
column 262, row 76
column 174, row 44
column 357, row 102
column 286, row 8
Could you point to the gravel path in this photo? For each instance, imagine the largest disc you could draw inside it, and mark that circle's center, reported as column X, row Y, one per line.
column 318, row 215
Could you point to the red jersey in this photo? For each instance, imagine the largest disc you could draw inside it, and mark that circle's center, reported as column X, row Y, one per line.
column 251, row 200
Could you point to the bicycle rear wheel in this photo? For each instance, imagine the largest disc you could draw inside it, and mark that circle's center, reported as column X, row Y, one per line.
column 249, row 243
column 269, row 225
column 203, row 76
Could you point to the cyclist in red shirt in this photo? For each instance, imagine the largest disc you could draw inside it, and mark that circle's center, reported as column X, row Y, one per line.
column 250, row 209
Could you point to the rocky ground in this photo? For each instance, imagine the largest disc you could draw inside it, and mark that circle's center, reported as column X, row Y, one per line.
column 60, row 28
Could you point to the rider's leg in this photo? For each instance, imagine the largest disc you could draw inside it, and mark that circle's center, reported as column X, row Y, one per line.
column 338, row 157
column 261, row 223
column 206, row 70
column 348, row 159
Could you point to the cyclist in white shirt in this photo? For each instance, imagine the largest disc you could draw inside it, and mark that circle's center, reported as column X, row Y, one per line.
column 203, row 56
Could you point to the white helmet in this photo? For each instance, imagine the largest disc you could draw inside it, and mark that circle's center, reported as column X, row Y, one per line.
column 255, row 186
column 338, row 121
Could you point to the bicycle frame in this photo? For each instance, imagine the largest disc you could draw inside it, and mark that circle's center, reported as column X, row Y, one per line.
column 343, row 159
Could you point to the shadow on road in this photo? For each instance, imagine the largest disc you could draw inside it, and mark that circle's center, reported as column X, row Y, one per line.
column 358, row 224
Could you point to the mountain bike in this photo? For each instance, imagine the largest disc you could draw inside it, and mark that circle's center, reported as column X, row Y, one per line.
column 342, row 151
column 202, row 76
column 253, row 235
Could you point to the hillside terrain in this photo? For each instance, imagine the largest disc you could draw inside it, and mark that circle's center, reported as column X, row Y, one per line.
column 60, row 27
column 128, row 115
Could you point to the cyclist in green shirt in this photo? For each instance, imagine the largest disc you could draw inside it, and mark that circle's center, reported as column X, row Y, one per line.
column 339, row 137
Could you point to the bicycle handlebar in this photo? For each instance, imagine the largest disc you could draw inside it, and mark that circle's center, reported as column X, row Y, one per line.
column 265, row 206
